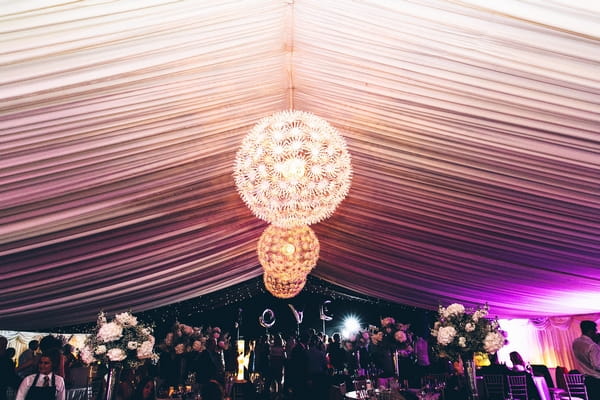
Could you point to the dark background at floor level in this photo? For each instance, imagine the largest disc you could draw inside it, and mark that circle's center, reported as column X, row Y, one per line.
column 249, row 299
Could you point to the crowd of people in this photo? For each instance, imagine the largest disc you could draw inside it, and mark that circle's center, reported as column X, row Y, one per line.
column 295, row 366
column 205, row 362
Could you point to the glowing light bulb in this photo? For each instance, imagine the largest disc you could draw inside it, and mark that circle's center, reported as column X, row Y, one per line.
column 288, row 249
column 294, row 168
column 283, row 251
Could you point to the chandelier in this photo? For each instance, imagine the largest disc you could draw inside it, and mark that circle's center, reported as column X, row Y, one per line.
column 293, row 169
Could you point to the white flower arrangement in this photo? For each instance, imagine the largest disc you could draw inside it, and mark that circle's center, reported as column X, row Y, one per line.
column 121, row 340
column 445, row 335
column 116, row 354
column 146, row 350
column 453, row 310
column 110, row 332
column 461, row 333
column 493, row 342
column 87, row 356
column 126, row 319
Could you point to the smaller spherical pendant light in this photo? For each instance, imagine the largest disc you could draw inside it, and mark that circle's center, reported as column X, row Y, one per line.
column 288, row 250
column 284, row 286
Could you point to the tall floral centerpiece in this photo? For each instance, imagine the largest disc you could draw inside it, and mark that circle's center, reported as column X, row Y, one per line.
column 399, row 338
column 461, row 333
column 121, row 342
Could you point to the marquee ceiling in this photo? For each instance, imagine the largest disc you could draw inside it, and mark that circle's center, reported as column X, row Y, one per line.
column 473, row 128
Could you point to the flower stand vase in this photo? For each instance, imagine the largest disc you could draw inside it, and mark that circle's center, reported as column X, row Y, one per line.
column 471, row 375
column 112, row 380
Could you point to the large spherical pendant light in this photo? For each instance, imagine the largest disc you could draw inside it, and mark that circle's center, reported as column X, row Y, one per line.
column 292, row 169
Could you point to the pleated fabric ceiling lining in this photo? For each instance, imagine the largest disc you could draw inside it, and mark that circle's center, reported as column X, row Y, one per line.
column 473, row 131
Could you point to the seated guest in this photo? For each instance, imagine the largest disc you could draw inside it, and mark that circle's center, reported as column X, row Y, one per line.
column 144, row 390
column 519, row 365
column 46, row 384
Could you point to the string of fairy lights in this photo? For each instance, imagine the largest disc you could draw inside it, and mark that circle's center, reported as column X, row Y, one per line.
column 315, row 289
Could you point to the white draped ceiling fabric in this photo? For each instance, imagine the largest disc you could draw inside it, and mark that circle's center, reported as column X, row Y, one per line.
column 473, row 128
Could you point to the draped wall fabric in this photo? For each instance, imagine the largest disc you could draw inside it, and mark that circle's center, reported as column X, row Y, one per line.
column 548, row 343
column 20, row 340
column 473, row 130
